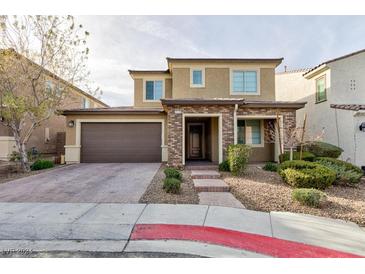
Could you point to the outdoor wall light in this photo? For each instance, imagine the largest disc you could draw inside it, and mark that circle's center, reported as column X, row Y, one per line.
column 362, row 127
column 71, row 123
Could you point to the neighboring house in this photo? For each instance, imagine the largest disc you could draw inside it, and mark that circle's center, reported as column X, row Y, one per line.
column 335, row 96
column 48, row 138
column 190, row 112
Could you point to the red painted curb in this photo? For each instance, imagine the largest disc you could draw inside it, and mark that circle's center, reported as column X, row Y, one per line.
column 251, row 242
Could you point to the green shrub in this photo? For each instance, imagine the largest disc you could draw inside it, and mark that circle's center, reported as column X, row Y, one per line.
column 346, row 172
column 306, row 156
column 224, row 166
column 172, row 173
column 309, row 196
column 302, row 174
column 238, row 157
column 321, row 149
column 296, row 164
column 41, row 164
column 172, row 185
column 270, row 166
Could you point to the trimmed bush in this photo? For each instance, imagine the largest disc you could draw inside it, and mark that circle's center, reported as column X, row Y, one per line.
column 346, row 172
column 309, row 196
column 237, row 156
column 172, row 185
column 41, row 164
column 270, row 166
column 224, row 166
column 302, row 174
column 306, row 156
column 296, row 164
column 172, row 173
column 321, row 149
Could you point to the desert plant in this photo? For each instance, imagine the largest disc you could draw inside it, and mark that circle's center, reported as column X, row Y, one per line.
column 172, row 173
column 224, row 166
column 237, row 158
column 41, row 164
column 304, row 174
column 309, row 196
column 346, row 173
column 306, row 156
column 270, row 166
column 172, row 185
column 322, row 149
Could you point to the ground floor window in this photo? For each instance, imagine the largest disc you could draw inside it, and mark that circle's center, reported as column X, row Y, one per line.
column 249, row 132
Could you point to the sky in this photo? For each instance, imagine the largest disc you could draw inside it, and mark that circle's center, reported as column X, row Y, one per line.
column 119, row 43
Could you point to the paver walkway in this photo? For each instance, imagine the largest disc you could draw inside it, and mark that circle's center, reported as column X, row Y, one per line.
column 212, row 190
column 191, row 229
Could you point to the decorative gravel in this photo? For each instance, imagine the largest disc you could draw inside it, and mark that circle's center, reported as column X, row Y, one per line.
column 155, row 193
column 265, row 191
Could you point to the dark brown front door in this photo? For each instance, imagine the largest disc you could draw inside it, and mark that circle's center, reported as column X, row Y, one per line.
column 195, row 141
column 120, row 142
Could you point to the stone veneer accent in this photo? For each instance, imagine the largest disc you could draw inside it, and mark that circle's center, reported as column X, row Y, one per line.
column 174, row 124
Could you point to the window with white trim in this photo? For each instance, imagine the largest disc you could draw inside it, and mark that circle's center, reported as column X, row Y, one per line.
column 249, row 132
column 197, row 77
column 85, row 103
column 154, row 90
column 244, row 81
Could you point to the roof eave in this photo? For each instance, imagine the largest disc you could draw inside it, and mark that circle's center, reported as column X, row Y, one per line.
column 315, row 71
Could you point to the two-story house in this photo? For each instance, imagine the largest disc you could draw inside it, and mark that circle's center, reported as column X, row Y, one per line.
column 335, row 96
column 49, row 137
column 190, row 112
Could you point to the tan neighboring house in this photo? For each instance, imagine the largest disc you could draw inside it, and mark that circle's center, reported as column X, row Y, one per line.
column 49, row 138
column 190, row 112
column 335, row 94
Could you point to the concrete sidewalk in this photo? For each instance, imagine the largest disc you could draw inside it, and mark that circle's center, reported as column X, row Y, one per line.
column 107, row 228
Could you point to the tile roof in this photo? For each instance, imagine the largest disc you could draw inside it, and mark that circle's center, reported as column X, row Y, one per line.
column 223, row 60
column 113, row 110
column 354, row 107
column 335, row 59
column 294, row 71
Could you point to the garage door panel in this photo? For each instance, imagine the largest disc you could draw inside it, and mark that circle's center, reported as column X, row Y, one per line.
column 120, row 142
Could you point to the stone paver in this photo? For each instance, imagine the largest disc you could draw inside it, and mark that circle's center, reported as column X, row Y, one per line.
column 83, row 183
column 210, row 185
column 205, row 174
column 173, row 214
column 219, row 199
column 194, row 248
column 329, row 233
column 239, row 219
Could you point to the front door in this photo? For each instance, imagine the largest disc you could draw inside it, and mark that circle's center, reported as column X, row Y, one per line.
column 195, row 141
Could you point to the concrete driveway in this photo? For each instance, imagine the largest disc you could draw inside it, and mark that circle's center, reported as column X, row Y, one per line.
column 83, row 183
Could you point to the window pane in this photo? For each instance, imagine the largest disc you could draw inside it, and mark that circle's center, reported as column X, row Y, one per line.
column 197, row 77
column 321, row 89
column 241, row 132
column 158, row 90
column 254, row 128
column 238, row 81
column 149, row 90
column 250, row 81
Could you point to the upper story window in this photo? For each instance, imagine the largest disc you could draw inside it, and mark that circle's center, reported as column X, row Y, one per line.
column 250, row 132
column 321, row 94
column 85, row 103
column 197, row 77
column 154, row 90
column 244, row 82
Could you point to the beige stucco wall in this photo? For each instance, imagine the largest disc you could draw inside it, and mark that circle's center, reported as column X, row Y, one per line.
column 139, row 91
column 217, row 84
column 320, row 116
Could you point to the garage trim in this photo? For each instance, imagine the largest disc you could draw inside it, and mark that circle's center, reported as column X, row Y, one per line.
column 73, row 152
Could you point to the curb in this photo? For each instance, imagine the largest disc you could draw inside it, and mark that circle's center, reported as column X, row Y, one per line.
column 259, row 244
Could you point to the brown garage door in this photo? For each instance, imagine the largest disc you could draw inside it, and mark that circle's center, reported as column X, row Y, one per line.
column 120, row 142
